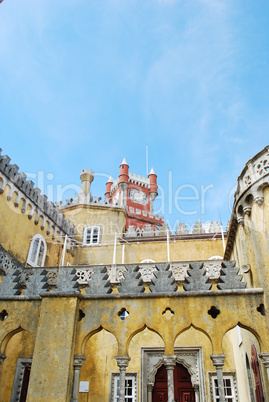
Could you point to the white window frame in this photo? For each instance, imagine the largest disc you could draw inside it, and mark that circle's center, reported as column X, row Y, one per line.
column 90, row 240
column 115, row 387
column 227, row 397
column 38, row 241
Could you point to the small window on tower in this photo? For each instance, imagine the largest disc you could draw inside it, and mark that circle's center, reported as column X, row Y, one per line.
column 92, row 235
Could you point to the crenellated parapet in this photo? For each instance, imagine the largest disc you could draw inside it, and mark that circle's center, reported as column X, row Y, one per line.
column 30, row 199
column 182, row 231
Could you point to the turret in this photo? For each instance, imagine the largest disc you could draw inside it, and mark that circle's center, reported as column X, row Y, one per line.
column 108, row 187
column 86, row 178
column 123, row 181
column 124, row 172
column 153, row 184
column 153, row 188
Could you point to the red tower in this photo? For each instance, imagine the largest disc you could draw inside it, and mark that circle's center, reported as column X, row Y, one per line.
column 108, row 187
column 136, row 194
column 124, row 172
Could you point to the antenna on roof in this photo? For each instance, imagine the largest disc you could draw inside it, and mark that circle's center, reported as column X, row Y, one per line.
column 147, row 159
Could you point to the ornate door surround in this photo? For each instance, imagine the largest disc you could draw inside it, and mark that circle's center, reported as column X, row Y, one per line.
column 190, row 357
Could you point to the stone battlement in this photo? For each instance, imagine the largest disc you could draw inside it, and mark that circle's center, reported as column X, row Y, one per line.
column 139, row 180
column 31, row 198
column 182, row 230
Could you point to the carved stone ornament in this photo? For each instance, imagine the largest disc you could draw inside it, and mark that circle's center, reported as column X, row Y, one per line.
column 218, row 360
column 78, row 361
column 138, row 197
column 179, row 271
column 247, row 210
column 169, row 361
column 240, row 220
column 24, row 278
column 146, row 272
column 116, row 274
column 247, row 180
column 263, row 166
column 52, row 278
column 84, row 275
column 259, row 199
column 213, row 269
column 122, row 361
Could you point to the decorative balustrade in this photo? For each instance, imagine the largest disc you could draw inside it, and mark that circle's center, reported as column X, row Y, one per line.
column 161, row 278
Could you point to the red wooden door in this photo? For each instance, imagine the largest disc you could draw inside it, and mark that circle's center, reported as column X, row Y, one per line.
column 257, row 374
column 160, row 392
column 182, row 385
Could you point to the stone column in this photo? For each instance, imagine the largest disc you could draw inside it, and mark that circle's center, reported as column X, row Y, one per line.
column 78, row 362
column 265, row 359
column 122, row 362
column 150, row 388
column 170, row 362
column 2, row 358
column 196, row 392
column 218, row 361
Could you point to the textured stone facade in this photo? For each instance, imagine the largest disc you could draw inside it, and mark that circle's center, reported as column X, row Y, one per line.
column 114, row 307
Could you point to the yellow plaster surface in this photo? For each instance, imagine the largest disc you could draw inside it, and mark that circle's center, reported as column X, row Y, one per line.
column 20, row 346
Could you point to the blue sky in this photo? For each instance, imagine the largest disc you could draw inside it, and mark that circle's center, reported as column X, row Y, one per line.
column 84, row 83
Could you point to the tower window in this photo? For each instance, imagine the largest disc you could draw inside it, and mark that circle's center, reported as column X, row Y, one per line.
column 37, row 252
column 92, row 235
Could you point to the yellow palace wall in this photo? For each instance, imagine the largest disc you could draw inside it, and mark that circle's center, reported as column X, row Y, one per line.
column 17, row 231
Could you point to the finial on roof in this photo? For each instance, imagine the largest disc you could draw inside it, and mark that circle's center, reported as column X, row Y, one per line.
column 110, row 180
column 152, row 171
column 124, row 162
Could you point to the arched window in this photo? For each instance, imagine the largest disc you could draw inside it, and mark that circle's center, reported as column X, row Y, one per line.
column 146, row 261
column 92, row 235
column 215, row 257
column 37, row 252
